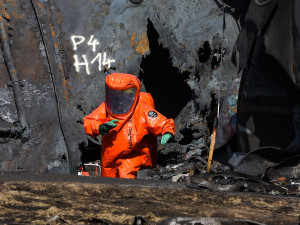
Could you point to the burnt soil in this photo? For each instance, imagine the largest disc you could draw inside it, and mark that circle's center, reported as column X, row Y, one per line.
column 27, row 198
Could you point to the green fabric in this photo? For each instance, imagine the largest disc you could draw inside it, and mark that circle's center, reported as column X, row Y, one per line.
column 106, row 127
column 165, row 138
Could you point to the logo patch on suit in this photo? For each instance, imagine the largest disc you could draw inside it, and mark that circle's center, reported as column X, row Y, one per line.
column 152, row 114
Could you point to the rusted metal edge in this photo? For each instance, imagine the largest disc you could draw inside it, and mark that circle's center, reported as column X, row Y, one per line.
column 55, row 66
column 23, row 128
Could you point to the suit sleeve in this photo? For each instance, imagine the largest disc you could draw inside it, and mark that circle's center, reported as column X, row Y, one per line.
column 157, row 124
column 93, row 121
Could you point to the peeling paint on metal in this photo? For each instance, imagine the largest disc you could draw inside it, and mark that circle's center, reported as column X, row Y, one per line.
column 4, row 12
column 132, row 39
column 53, row 34
column 143, row 45
column 66, row 88
column 59, row 64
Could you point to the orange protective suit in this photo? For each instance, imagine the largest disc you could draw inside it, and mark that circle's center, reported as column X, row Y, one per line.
column 132, row 144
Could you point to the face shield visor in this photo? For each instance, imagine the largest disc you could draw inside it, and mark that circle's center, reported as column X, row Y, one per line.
column 119, row 102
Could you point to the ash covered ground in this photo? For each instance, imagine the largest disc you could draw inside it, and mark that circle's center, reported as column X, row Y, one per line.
column 54, row 199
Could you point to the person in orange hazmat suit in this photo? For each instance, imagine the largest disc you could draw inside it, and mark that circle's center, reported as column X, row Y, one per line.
column 129, row 126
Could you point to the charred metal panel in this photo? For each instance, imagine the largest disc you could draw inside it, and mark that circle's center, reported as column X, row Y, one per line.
column 269, row 87
column 45, row 149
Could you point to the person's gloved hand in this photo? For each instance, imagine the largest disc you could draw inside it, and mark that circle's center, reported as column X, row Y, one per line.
column 165, row 138
column 106, row 127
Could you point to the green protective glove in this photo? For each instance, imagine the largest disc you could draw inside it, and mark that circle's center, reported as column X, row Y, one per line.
column 106, row 127
column 165, row 138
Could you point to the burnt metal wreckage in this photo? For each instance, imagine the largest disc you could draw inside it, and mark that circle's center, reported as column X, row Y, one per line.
column 21, row 128
column 193, row 151
column 231, row 71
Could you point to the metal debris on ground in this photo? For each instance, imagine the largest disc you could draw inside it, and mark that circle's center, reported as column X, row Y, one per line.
column 90, row 169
